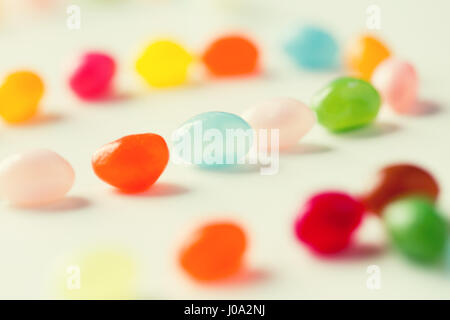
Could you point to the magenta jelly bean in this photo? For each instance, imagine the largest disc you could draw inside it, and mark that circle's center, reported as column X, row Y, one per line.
column 327, row 221
column 92, row 75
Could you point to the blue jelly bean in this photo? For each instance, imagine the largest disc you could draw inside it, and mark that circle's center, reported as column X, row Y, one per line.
column 213, row 139
column 313, row 48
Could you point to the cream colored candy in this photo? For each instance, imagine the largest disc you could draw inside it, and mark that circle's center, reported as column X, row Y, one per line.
column 397, row 83
column 35, row 178
column 293, row 119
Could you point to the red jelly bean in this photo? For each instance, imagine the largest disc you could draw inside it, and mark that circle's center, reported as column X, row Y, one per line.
column 92, row 75
column 230, row 56
column 400, row 180
column 327, row 221
column 132, row 163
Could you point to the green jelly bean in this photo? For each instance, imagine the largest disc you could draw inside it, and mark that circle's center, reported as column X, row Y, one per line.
column 416, row 228
column 346, row 103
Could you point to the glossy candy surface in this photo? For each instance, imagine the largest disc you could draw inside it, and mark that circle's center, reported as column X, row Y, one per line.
column 20, row 94
column 213, row 139
column 397, row 181
column 398, row 83
column 364, row 54
column 346, row 103
column 35, row 178
column 214, row 252
column 132, row 163
column 327, row 221
column 92, row 75
column 164, row 63
column 231, row 55
column 416, row 228
column 292, row 118
column 313, row 48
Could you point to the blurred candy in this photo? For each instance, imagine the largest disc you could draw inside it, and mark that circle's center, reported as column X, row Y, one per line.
column 313, row 48
column 97, row 274
column 132, row 163
column 214, row 252
column 209, row 139
column 416, row 228
column 397, row 82
column 20, row 95
column 164, row 63
column 230, row 56
column 346, row 103
column 364, row 54
column 327, row 221
column 35, row 178
column 397, row 181
column 92, row 76
column 291, row 117
column 447, row 254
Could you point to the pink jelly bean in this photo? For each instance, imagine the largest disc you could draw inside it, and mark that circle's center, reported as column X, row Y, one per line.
column 292, row 118
column 92, row 75
column 397, row 82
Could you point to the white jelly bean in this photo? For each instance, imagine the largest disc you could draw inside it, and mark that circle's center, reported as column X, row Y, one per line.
column 293, row 119
column 35, row 178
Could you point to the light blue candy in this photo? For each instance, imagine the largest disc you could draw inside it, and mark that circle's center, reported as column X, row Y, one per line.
column 207, row 134
column 313, row 48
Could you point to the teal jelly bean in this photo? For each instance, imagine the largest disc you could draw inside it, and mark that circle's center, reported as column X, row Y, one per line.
column 213, row 139
column 416, row 228
column 346, row 103
column 313, row 48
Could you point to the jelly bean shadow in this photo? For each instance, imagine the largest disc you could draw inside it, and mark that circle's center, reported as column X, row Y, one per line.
column 355, row 252
column 306, row 148
column 331, row 69
column 439, row 267
column 373, row 131
column 65, row 204
column 244, row 277
column 363, row 251
column 186, row 86
column 113, row 97
column 158, row 190
column 425, row 108
column 120, row 96
column 43, row 119
column 257, row 75
column 232, row 169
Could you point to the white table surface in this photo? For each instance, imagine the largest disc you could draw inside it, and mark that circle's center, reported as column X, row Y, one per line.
column 151, row 226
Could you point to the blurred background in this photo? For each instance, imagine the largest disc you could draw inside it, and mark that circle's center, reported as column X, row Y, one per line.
column 145, row 231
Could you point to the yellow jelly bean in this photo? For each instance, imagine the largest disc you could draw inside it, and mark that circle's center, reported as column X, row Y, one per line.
column 97, row 274
column 164, row 63
column 20, row 95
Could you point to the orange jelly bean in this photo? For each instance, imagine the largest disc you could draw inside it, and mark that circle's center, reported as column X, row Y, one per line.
column 132, row 163
column 364, row 54
column 214, row 252
column 231, row 55
column 20, row 95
